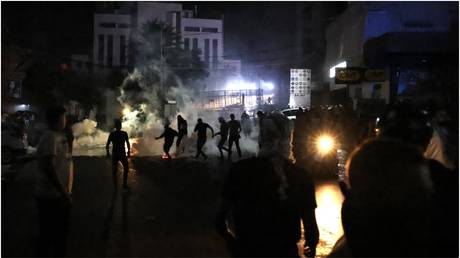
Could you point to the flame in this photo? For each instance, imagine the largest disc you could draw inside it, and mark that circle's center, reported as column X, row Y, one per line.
column 134, row 146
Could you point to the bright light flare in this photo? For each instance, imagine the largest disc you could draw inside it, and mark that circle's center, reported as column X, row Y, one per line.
column 240, row 85
column 325, row 144
column 332, row 70
column 267, row 85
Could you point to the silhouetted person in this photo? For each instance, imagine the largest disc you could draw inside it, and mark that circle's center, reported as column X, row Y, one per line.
column 246, row 124
column 234, row 135
column 201, row 129
column 169, row 135
column 70, row 138
column 182, row 128
column 260, row 117
column 266, row 198
column 53, row 186
column 223, row 136
column 410, row 125
column 386, row 212
column 118, row 138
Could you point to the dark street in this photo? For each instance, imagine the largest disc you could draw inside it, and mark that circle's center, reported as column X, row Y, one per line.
column 169, row 212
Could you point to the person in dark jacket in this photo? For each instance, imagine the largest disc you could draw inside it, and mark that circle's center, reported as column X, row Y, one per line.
column 234, row 137
column 201, row 129
column 169, row 135
column 183, row 132
column 266, row 198
column 223, row 136
column 118, row 138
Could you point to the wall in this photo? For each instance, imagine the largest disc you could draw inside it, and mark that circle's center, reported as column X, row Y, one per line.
column 344, row 39
column 201, row 36
column 116, row 32
column 407, row 17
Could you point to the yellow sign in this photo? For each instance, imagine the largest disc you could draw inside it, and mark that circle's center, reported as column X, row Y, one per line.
column 375, row 75
column 348, row 75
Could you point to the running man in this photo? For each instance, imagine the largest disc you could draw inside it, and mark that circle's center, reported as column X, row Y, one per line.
column 169, row 135
column 182, row 128
column 235, row 129
column 223, row 136
column 201, row 129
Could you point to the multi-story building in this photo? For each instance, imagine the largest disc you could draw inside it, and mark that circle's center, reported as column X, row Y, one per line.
column 112, row 33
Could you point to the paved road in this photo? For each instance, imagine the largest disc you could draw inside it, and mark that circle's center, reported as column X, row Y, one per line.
column 169, row 212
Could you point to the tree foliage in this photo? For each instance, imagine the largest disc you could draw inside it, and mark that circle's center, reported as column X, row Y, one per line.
column 50, row 80
column 159, row 40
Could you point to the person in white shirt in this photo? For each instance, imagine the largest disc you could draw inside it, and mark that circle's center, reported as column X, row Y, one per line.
column 53, row 186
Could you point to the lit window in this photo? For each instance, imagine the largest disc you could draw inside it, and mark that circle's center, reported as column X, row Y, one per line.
column 332, row 70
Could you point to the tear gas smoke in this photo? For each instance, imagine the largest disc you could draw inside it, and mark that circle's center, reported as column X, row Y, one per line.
column 143, row 115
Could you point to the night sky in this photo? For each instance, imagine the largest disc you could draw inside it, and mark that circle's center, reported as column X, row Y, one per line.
column 67, row 26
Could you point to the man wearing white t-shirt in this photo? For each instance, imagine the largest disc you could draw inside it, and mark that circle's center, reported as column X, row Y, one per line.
column 54, row 185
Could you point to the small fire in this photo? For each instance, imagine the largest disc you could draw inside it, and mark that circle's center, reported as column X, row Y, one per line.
column 134, row 146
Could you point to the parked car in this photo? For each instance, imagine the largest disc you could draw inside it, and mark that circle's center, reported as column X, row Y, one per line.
column 14, row 142
column 291, row 113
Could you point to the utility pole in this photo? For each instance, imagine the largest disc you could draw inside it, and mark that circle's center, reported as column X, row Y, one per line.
column 161, row 58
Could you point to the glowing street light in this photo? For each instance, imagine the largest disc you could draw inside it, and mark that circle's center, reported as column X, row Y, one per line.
column 325, row 144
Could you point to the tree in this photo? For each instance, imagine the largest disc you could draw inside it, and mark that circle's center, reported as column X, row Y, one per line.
column 51, row 80
column 159, row 40
column 161, row 64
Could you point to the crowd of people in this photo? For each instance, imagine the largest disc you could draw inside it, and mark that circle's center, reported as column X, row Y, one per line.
column 229, row 131
column 400, row 189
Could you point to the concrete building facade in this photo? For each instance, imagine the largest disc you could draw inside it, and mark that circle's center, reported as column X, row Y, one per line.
column 405, row 32
column 112, row 33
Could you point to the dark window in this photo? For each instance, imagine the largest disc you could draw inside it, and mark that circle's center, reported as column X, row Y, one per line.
column 123, row 25
column 107, row 24
column 122, row 50
column 206, row 50
column 195, row 43
column 110, row 50
column 192, row 28
column 214, row 51
column 187, row 44
column 100, row 52
column 213, row 30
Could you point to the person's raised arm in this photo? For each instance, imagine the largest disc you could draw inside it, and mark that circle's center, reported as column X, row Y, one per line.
column 161, row 136
column 212, row 130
